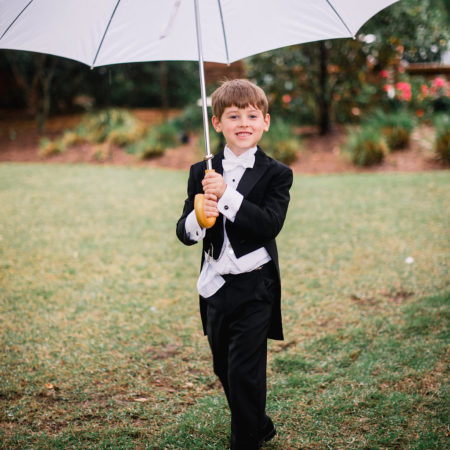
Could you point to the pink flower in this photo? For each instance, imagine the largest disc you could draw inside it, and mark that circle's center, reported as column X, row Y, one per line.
column 384, row 74
column 439, row 82
column 405, row 90
column 286, row 98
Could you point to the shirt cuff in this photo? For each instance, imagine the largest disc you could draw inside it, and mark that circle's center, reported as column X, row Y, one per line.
column 229, row 203
column 193, row 230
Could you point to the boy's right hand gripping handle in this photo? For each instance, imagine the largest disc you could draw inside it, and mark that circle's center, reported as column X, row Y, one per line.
column 203, row 221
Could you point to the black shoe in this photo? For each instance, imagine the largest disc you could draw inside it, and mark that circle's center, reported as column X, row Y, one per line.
column 269, row 431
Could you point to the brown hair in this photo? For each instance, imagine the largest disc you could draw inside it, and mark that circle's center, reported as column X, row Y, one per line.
column 240, row 93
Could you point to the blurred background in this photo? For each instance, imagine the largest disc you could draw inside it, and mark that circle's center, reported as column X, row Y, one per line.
column 393, row 77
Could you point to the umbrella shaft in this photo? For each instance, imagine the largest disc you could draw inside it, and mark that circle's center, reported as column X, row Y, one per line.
column 203, row 86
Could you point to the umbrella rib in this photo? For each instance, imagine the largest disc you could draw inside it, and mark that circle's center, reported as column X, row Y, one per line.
column 340, row 18
column 104, row 34
column 18, row 15
column 224, row 32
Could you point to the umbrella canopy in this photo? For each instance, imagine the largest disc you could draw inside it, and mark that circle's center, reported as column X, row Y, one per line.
column 105, row 32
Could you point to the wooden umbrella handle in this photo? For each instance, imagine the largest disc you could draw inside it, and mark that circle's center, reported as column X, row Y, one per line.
column 203, row 221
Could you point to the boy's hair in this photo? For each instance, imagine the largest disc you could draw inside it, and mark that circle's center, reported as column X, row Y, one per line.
column 240, row 93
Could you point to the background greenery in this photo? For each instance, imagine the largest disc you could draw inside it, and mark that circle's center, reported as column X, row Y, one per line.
column 314, row 83
column 101, row 343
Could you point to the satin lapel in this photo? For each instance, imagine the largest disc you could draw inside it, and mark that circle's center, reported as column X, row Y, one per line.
column 216, row 232
column 217, row 162
column 251, row 176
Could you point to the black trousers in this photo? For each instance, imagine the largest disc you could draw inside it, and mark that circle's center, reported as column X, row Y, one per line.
column 238, row 322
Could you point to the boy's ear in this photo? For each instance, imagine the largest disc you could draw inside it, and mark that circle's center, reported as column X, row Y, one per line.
column 216, row 124
column 267, row 122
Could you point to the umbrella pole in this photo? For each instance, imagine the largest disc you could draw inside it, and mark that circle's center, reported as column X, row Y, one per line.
column 208, row 156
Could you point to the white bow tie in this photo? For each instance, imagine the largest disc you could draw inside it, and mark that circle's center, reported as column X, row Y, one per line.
column 231, row 164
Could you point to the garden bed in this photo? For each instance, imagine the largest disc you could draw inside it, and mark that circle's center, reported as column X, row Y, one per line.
column 19, row 142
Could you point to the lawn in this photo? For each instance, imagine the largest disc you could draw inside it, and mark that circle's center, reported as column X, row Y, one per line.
column 101, row 343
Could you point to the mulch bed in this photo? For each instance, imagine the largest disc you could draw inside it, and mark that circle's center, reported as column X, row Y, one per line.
column 19, row 142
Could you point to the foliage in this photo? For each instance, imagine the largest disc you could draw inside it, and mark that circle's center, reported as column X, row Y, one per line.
column 110, row 126
column 280, row 142
column 423, row 97
column 117, row 126
column 50, row 84
column 416, row 28
column 47, row 147
column 300, row 89
column 101, row 338
column 156, row 141
column 395, row 127
column 190, row 120
column 366, row 146
column 442, row 140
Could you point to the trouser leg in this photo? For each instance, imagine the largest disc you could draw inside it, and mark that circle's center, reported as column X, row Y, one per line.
column 247, row 363
column 237, row 333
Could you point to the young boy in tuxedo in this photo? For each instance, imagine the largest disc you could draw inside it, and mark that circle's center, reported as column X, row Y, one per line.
column 239, row 283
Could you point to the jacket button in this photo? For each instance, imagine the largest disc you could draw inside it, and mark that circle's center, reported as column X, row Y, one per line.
column 225, row 207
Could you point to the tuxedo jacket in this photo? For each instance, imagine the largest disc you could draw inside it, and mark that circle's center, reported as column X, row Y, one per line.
column 265, row 189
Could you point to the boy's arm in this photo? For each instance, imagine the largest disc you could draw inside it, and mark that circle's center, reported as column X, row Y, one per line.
column 188, row 229
column 265, row 220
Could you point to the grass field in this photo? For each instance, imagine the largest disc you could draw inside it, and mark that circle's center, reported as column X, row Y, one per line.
column 100, row 336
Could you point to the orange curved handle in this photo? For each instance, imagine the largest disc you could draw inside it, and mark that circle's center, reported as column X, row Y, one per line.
column 203, row 221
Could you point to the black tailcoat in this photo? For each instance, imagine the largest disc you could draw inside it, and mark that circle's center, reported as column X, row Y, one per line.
column 265, row 188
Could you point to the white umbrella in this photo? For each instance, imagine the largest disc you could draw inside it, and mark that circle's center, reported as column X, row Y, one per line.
column 102, row 32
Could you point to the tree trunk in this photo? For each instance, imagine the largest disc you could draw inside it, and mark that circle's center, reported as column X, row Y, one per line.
column 324, row 103
column 47, row 71
column 164, row 92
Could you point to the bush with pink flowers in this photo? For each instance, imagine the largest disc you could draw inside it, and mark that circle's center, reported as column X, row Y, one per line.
column 424, row 98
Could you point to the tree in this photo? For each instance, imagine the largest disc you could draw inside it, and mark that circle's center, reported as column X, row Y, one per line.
column 328, row 81
column 49, row 84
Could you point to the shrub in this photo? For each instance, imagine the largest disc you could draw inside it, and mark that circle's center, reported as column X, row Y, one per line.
column 190, row 121
column 48, row 147
column 158, row 138
column 442, row 139
column 395, row 127
column 70, row 138
column 118, row 126
column 111, row 126
column 280, row 142
column 366, row 146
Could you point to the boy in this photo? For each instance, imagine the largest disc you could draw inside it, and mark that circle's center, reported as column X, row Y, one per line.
column 239, row 283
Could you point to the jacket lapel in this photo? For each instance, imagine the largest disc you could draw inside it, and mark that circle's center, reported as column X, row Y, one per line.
column 217, row 162
column 251, row 176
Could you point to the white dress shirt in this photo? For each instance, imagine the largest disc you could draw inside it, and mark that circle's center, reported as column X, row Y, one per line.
column 210, row 280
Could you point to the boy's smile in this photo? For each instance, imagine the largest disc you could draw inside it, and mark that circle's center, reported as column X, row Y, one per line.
column 242, row 127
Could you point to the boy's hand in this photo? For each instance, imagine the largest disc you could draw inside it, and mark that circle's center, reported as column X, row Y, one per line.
column 213, row 183
column 210, row 205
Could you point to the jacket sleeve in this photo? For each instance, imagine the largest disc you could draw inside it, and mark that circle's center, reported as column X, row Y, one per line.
column 193, row 187
column 265, row 219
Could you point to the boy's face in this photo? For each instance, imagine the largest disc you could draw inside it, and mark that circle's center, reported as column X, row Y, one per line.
column 242, row 127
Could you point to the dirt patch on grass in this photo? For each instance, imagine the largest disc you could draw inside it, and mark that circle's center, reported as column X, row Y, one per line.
column 19, row 142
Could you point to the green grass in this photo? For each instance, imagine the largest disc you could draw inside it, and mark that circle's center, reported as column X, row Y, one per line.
column 100, row 337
